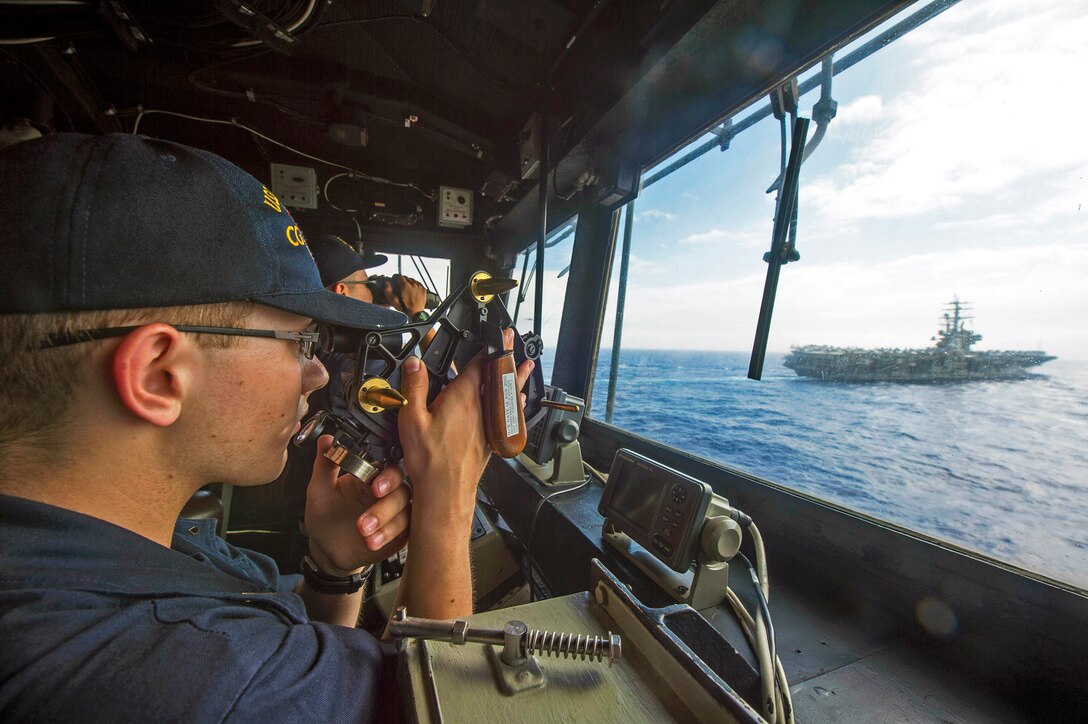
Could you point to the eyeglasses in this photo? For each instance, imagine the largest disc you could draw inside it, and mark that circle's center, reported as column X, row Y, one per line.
column 307, row 340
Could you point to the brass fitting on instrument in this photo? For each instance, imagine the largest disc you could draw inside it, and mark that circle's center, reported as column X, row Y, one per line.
column 376, row 395
column 484, row 287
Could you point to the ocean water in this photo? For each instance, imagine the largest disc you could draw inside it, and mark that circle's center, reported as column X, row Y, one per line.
column 997, row 467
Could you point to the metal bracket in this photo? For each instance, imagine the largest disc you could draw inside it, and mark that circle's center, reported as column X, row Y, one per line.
column 516, row 678
column 516, row 668
column 705, row 586
column 565, row 468
column 725, row 134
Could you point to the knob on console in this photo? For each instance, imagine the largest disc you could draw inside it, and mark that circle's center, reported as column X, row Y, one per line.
column 721, row 538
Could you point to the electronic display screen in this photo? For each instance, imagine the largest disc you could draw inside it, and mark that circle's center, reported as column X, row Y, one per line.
column 659, row 508
column 637, row 496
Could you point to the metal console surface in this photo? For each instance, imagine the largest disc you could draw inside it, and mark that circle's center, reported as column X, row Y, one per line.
column 658, row 678
column 843, row 644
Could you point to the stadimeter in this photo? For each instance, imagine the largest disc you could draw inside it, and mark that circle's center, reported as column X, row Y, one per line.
column 671, row 526
column 468, row 322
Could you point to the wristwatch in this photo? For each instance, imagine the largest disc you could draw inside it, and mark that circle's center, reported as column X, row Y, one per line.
column 420, row 316
column 322, row 582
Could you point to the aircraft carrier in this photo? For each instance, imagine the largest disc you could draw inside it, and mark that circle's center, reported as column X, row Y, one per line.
column 951, row 359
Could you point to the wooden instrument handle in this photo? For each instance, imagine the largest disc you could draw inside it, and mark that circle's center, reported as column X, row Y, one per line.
column 504, row 416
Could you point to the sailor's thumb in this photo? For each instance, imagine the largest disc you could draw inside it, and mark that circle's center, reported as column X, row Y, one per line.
column 414, row 386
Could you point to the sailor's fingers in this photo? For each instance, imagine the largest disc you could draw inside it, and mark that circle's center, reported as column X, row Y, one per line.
column 524, row 370
column 389, row 479
column 392, row 537
column 385, row 520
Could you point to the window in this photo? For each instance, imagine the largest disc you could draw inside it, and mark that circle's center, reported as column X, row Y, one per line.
column 951, row 178
column 557, row 255
column 433, row 273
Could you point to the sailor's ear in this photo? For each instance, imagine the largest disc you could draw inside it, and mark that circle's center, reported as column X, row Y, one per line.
column 151, row 371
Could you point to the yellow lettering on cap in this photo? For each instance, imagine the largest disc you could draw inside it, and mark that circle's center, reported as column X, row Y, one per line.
column 295, row 237
column 271, row 200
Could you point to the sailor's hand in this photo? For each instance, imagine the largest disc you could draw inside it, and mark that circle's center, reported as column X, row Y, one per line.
column 445, row 449
column 352, row 524
column 406, row 295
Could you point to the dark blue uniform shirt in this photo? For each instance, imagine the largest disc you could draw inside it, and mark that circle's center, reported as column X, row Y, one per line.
column 98, row 623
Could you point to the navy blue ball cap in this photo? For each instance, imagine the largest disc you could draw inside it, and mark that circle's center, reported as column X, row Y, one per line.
column 122, row 222
column 337, row 261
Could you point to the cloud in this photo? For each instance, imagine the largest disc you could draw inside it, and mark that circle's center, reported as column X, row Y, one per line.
column 993, row 221
column 704, row 237
column 1020, row 298
column 977, row 119
column 745, row 238
column 654, row 214
column 669, row 315
column 693, row 197
column 952, row 173
column 865, row 109
column 639, row 265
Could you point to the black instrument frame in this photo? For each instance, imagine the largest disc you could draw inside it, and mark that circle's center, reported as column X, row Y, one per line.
column 465, row 325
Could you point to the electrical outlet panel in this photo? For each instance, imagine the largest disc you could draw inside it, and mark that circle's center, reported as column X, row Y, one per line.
column 295, row 186
column 454, row 207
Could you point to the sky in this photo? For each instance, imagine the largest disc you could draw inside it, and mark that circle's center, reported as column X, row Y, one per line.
column 956, row 166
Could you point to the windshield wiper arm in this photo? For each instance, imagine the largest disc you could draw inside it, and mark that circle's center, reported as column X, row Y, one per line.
column 781, row 250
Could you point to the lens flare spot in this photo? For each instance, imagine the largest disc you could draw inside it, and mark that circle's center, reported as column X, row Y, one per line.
column 936, row 617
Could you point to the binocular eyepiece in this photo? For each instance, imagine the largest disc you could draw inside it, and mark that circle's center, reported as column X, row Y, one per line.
column 377, row 288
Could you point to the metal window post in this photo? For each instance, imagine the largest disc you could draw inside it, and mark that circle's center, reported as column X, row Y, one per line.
column 542, row 210
column 621, row 300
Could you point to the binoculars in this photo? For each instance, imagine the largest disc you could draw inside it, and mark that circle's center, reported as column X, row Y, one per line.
column 377, row 288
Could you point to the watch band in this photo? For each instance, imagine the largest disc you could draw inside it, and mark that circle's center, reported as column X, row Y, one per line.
column 322, row 582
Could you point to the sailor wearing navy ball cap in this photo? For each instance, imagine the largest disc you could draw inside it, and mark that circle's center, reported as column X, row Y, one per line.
column 155, row 311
